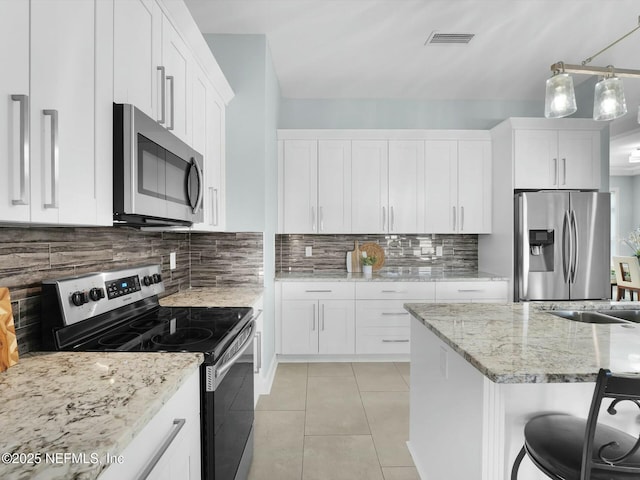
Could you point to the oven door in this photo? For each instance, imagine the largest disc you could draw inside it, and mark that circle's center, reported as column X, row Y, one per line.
column 228, row 413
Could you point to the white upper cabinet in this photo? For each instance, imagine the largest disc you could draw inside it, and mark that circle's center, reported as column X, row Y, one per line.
column 557, row 159
column 59, row 161
column 369, row 186
column 458, row 198
column 316, row 190
column 137, row 50
column 406, row 186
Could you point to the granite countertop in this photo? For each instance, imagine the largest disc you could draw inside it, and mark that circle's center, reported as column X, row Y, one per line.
column 82, row 403
column 524, row 343
column 213, row 297
column 391, row 275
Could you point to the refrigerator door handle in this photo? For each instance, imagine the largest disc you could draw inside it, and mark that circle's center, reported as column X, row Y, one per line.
column 523, row 240
column 576, row 243
column 566, row 241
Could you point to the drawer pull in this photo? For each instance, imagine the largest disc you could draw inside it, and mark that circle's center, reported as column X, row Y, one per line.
column 395, row 314
column 318, row 291
column 395, row 341
column 471, row 290
column 394, row 291
column 178, row 423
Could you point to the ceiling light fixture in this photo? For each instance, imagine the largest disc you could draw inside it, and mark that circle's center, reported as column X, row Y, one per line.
column 609, row 102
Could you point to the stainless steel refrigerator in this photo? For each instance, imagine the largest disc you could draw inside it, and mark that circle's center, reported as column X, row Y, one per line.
column 562, row 245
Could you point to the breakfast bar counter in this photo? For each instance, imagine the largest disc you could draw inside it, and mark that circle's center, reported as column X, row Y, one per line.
column 480, row 371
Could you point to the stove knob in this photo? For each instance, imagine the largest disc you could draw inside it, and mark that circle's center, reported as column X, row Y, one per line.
column 96, row 294
column 157, row 278
column 147, row 280
column 79, row 298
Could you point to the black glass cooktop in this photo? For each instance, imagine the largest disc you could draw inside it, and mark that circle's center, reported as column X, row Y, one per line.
column 172, row 329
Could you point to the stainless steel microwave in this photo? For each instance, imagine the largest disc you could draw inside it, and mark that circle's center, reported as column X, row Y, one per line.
column 157, row 178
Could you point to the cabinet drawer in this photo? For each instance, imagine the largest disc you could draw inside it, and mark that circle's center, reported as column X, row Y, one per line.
column 471, row 291
column 373, row 340
column 424, row 291
column 382, row 313
column 317, row 290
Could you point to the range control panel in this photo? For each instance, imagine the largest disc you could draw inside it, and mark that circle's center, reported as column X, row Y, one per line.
column 89, row 295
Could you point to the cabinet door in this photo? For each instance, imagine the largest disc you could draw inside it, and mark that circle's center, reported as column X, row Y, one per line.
column 337, row 327
column 136, row 56
column 334, row 186
column 536, row 159
column 300, row 327
column 176, row 60
column 62, row 112
column 474, row 186
column 14, row 113
column 579, row 156
column 300, row 186
column 441, row 215
column 369, row 186
column 406, row 186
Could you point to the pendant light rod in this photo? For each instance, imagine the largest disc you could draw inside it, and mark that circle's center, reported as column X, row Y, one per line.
column 588, row 60
column 587, row 70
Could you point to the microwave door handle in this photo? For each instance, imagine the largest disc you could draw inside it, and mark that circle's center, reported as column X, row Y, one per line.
column 197, row 202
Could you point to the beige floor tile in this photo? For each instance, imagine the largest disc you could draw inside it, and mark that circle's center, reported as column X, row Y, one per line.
column 343, row 457
column 388, row 416
column 278, row 446
column 404, row 369
column 334, row 407
column 379, row 377
column 289, row 390
column 330, row 369
column 400, row 473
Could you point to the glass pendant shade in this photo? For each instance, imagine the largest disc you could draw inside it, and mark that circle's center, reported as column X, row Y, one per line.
column 609, row 102
column 560, row 98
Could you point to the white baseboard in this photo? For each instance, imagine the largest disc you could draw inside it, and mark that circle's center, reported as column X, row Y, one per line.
column 262, row 384
column 343, row 358
column 421, row 472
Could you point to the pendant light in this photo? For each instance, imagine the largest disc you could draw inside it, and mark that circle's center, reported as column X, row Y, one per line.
column 560, row 97
column 608, row 100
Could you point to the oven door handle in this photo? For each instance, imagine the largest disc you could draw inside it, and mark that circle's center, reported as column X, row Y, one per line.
column 229, row 363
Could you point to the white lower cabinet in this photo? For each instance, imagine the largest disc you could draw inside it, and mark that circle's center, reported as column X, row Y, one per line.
column 475, row 292
column 168, row 447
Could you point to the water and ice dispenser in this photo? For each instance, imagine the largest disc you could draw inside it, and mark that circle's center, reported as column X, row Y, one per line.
column 541, row 248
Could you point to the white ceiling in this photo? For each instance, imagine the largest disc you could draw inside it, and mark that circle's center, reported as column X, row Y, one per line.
column 375, row 48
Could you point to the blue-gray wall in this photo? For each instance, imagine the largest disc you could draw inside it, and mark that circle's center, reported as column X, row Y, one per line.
column 628, row 188
column 252, row 152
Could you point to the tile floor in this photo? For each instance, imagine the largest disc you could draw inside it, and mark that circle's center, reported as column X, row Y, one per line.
column 334, row 421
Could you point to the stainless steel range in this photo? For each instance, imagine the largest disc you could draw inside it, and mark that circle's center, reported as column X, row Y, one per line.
column 118, row 311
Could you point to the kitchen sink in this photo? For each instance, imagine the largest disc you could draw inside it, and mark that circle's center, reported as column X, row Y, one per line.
column 586, row 316
column 628, row 315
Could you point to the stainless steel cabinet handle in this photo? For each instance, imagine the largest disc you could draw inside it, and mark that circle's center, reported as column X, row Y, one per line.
column 393, row 291
column 391, row 228
column 25, row 161
column 322, row 327
column 313, row 327
column 454, row 218
column 258, row 340
column 178, row 423
column 321, row 218
column 313, row 218
column 384, row 340
column 555, row 171
column 471, row 290
column 162, row 94
column 384, row 218
column 173, row 103
column 394, row 314
column 318, row 291
column 564, row 171
column 55, row 157
column 216, row 217
column 461, row 219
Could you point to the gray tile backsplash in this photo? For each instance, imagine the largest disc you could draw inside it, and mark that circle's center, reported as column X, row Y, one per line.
column 30, row 255
column 459, row 252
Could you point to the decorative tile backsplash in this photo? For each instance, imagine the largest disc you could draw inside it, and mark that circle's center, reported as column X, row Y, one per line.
column 30, row 255
column 459, row 252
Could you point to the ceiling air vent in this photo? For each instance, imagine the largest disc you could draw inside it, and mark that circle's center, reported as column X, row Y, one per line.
column 437, row 38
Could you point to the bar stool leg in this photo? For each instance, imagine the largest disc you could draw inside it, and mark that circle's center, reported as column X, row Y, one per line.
column 516, row 464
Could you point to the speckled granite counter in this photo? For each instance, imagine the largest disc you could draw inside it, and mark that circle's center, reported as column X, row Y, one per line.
column 523, row 343
column 82, row 403
column 213, row 297
column 390, row 275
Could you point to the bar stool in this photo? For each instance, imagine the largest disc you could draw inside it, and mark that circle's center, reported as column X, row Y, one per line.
column 565, row 447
